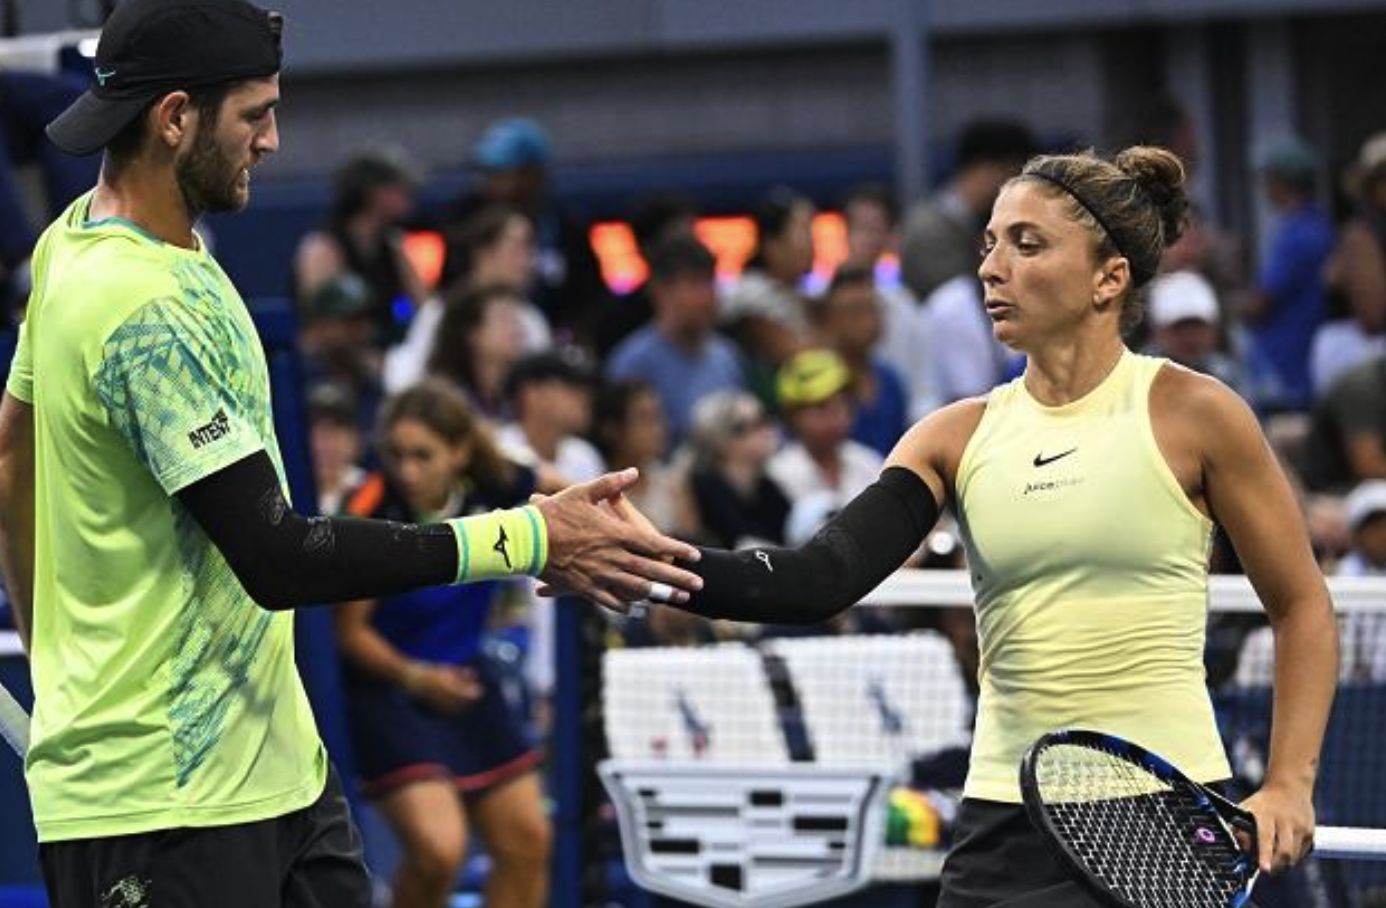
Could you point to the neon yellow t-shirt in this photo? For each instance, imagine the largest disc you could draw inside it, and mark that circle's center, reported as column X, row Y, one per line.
column 164, row 696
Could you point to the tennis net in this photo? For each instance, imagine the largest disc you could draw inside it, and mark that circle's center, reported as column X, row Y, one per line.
column 891, row 686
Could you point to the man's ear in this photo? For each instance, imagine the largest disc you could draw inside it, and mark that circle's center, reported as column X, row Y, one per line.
column 175, row 119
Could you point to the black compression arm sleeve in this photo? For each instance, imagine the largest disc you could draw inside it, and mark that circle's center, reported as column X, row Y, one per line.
column 285, row 560
column 848, row 558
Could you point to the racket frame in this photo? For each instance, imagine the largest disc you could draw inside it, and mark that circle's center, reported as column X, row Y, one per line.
column 1232, row 818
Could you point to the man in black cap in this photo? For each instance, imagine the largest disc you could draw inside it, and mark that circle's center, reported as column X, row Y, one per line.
column 147, row 542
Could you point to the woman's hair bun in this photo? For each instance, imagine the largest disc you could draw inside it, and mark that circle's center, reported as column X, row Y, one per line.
column 1160, row 173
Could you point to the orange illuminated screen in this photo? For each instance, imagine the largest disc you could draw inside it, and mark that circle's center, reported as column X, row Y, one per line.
column 732, row 239
column 425, row 250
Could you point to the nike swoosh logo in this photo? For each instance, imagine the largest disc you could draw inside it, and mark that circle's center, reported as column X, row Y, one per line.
column 1042, row 461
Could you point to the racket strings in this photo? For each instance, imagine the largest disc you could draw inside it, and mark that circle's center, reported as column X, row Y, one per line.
column 1152, row 844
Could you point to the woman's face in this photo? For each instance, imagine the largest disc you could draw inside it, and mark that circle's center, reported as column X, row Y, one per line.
column 510, row 259
column 424, row 464
column 500, row 334
column 752, row 440
column 1039, row 272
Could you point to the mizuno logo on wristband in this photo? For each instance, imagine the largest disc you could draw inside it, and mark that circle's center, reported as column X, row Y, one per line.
column 500, row 547
column 764, row 558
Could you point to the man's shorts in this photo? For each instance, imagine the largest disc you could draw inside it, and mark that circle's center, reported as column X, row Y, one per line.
column 310, row 858
column 398, row 739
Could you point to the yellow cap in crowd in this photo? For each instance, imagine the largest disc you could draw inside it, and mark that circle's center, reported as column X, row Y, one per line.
column 812, row 377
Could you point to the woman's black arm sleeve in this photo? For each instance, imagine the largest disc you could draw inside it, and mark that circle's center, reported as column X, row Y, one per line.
column 285, row 560
column 864, row 544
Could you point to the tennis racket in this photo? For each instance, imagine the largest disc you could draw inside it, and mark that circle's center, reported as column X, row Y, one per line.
column 1134, row 830
column 14, row 723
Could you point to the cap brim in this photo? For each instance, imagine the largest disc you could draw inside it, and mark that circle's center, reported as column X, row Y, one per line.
column 90, row 123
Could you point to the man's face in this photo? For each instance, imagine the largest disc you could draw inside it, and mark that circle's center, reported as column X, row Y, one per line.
column 690, row 299
column 823, row 426
column 1189, row 341
column 214, row 172
column 870, row 233
column 853, row 318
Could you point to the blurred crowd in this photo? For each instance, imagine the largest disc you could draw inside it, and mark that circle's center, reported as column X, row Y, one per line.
column 756, row 404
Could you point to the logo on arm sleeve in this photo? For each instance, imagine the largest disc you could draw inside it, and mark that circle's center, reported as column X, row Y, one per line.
column 218, row 427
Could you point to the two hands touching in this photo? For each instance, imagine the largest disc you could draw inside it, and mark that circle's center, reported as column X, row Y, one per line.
column 603, row 549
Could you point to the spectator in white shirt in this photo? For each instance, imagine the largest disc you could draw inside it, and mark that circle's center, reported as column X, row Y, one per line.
column 966, row 359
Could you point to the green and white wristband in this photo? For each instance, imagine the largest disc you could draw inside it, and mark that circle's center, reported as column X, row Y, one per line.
column 506, row 543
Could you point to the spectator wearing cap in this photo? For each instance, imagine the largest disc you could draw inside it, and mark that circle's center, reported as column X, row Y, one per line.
column 816, row 398
column 334, row 437
column 679, row 353
column 943, row 232
column 849, row 319
column 1364, row 635
column 731, row 442
column 1186, row 321
column 513, row 159
column 1361, row 635
column 1288, row 303
column 1356, row 271
column 550, row 396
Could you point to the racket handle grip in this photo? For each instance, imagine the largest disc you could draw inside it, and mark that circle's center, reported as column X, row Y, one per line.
column 14, row 723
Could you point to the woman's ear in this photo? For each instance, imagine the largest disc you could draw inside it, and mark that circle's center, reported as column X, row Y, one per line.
column 1111, row 281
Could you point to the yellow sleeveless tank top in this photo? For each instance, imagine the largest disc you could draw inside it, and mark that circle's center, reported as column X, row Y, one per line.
column 1090, row 570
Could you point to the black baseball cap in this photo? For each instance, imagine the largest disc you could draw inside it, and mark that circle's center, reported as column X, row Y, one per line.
column 151, row 47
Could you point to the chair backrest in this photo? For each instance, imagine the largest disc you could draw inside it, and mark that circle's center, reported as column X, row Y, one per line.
column 710, row 703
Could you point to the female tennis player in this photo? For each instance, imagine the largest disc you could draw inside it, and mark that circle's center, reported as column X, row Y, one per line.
column 1087, row 491
column 438, row 746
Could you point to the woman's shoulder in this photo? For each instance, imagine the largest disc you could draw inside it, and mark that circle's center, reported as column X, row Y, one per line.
column 935, row 444
column 1199, row 408
column 1196, row 393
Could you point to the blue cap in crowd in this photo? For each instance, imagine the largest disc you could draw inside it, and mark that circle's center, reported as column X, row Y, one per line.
column 511, row 144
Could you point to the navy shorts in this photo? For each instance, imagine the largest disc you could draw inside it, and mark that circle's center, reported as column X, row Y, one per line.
column 399, row 739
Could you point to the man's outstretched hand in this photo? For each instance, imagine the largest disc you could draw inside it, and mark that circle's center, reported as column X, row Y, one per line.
column 596, row 554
